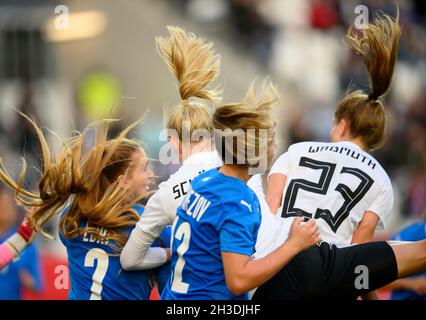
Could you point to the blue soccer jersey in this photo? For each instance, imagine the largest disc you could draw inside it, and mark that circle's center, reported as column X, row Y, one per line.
column 162, row 273
column 414, row 232
column 96, row 273
column 10, row 277
column 219, row 214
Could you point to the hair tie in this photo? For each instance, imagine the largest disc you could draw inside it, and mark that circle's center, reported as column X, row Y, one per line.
column 371, row 96
column 185, row 103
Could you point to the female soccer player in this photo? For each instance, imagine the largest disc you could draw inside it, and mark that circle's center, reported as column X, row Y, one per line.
column 216, row 227
column 24, row 273
column 13, row 246
column 339, row 184
column 325, row 271
column 101, row 187
column 195, row 66
column 214, row 235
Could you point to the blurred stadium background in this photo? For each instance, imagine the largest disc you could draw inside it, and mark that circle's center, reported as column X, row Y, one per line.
column 107, row 57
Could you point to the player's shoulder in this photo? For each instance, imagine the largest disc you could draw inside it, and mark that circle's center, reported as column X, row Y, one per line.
column 306, row 145
column 228, row 188
column 194, row 166
column 204, row 160
column 255, row 183
column 242, row 198
column 184, row 172
column 381, row 173
column 165, row 189
column 387, row 183
column 212, row 181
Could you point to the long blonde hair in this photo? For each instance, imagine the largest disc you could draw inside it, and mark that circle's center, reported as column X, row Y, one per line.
column 194, row 64
column 84, row 180
column 377, row 44
column 237, row 121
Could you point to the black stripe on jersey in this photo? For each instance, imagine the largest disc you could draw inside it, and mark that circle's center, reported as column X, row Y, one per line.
column 351, row 198
column 319, row 187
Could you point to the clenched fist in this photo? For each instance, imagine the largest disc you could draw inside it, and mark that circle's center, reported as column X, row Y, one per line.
column 303, row 235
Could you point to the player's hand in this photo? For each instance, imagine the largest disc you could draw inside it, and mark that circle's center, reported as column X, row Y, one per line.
column 304, row 235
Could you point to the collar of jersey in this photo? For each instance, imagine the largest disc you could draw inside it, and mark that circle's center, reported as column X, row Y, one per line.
column 352, row 144
column 229, row 177
column 195, row 157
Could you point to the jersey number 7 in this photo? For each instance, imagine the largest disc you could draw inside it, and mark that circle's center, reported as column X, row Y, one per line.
column 351, row 197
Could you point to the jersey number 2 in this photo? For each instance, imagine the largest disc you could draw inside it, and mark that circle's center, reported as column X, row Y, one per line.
column 351, row 197
column 183, row 234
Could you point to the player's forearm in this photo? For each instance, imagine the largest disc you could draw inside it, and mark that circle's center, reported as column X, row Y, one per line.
column 7, row 255
column 400, row 284
column 363, row 235
column 370, row 296
column 273, row 200
column 137, row 254
column 365, row 230
column 11, row 249
column 256, row 272
column 276, row 185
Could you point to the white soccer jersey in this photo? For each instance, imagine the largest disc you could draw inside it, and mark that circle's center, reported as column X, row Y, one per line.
column 273, row 230
column 334, row 183
column 160, row 210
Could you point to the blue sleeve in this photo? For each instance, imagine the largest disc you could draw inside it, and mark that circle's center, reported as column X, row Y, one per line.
column 238, row 232
column 415, row 232
column 139, row 209
column 31, row 263
column 162, row 273
column 165, row 235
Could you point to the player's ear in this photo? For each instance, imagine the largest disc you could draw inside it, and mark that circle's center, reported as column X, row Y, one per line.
column 122, row 181
column 343, row 127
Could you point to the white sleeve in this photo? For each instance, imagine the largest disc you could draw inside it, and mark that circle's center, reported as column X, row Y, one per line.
column 156, row 214
column 281, row 165
column 133, row 256
column 382, row 205
column 18, row 243
column 150, row 224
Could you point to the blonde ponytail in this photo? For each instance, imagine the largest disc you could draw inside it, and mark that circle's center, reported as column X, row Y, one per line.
column 192, row 62
column 195, row 66
column 377, row 44
column 237, row 121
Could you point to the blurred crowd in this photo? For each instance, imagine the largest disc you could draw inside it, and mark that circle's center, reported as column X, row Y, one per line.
column 301, row 44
